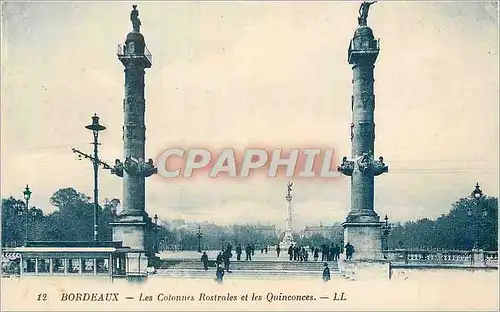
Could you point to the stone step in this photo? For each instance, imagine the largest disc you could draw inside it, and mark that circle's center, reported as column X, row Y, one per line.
column 268, row 265
column 257, row 274
column 255, row 267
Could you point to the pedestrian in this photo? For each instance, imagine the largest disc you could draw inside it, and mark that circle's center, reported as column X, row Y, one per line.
column 248, row 253
column 253, row 249
column 204, row 259
column 316, row 253
column 226, row 256
column 326, row 272
column 349, row 250
column 336, row 252
column 290, row 252
column 296, row 249
column 219, row 274
column 218, row 260
column 238, row 252
column 278, row 250
column 265, row 249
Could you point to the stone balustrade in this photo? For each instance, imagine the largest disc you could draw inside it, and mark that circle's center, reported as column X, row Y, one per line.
column 462, row 258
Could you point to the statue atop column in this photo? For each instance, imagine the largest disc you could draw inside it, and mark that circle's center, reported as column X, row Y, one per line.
column 289, row 191
column 134, row 18
column 363, row 12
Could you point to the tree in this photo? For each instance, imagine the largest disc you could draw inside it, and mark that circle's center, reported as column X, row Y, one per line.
column 13, row 221
column 470, row 222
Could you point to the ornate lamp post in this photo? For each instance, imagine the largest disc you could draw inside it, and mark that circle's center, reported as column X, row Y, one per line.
column 476, row 194
column 156, row 234
column 27, row 196
column 95, row 127
column 386, row 229
column 199, row 235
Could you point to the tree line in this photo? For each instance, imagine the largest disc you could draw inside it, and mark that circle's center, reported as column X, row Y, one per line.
column 470, row 223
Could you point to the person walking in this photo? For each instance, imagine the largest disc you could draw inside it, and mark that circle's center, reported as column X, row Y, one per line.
column 326, row 273
column 324, row 252
column 238, row 252
column 331, row 252
column 290, row 252
column 336, row 252
column 226, row 256
column 278, row 250
column 219, row 274
column 316, row 254
column 248, row 253
column 218, row 260
column 349, row 250
column 204, row 259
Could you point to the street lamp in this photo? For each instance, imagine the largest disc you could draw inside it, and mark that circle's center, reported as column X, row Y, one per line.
column 199, row 235
column 476, row 194
column 95, row 127
column 27, row 196
column 156, row 233
column 386, row 229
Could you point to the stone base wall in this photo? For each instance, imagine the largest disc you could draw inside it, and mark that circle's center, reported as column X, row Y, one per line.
column 131, row 231
column 366, row 239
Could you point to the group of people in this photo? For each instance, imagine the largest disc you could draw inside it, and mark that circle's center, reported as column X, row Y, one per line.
column 249, row 251
column 223, row 261
column 295, row 252
column 328, row 253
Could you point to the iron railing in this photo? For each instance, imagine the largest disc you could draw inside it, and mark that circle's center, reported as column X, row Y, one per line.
column 122, row 52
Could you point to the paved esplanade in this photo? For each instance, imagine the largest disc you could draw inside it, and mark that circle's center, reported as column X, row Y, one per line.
column 362, row 226
column 133, row 226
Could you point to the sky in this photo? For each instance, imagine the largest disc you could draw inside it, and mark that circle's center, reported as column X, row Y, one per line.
column 240, row 74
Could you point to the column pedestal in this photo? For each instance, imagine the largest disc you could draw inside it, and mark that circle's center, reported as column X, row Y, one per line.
column 287, row 240
column 131, row 230
column 365, row 238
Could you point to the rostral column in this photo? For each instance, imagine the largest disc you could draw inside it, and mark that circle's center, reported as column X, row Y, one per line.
column 133, row 226
column 362, row 227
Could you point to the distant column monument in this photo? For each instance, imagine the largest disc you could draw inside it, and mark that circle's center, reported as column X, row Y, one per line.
column 362, row 227
column 133, row 226
column 288, row 238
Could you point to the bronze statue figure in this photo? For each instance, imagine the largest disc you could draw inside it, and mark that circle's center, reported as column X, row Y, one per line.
column 289, row 186
column 134, row 17
column 363, row 12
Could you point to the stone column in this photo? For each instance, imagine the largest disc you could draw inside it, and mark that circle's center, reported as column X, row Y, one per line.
column 362, row 227
column 131, row 225
column 288, row 237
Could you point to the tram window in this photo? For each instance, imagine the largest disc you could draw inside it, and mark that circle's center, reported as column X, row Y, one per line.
column 43, row 266
column 29, row 265
column 58, row 265
column 73, row 266
column 102, row 265
column 88, row 265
